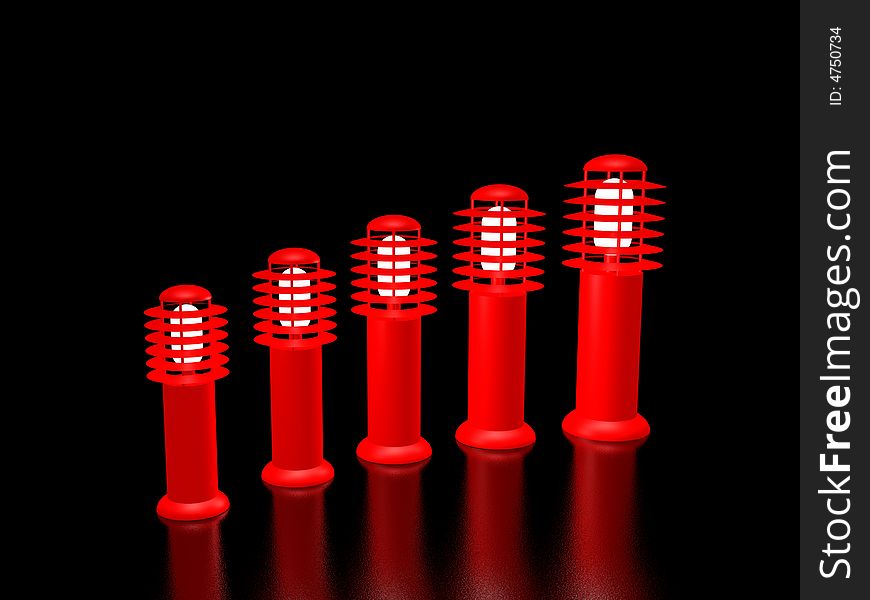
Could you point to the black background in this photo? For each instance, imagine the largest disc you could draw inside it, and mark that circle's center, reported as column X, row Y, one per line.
column 228, row 159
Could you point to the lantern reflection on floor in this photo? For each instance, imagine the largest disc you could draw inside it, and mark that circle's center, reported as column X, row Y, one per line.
column 395, row 565
column 196, row 563
column 299, row 545
column 493, row 525
column 602, row 553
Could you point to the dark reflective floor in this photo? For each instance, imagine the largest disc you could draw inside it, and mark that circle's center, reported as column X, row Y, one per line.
column 598, row 550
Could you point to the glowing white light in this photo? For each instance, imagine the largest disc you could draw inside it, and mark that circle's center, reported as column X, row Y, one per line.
column 389, row 264
column 184, row 334
column 498, row 237
column 613, row 194
column 294, row 310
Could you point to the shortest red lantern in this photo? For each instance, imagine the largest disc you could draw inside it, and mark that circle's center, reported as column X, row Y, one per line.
column 187, row 358
column 497, row 279
column 394, row 301
column 294, row 325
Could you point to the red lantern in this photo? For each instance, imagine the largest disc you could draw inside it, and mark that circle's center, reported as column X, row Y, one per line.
column 294, row 325
column 613, row 248
column 187, row 358
column 394, row 299
column 497, row 280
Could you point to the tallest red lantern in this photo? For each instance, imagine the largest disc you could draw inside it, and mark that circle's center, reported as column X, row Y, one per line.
column 614, row 248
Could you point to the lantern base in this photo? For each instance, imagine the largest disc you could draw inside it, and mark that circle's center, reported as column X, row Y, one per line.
column 489, row 439
column 394, row 455
column 192, row 511
column 605, row 431
column 298, row 478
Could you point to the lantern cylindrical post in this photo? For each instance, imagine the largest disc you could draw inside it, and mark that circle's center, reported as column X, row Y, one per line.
column 393, row 347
